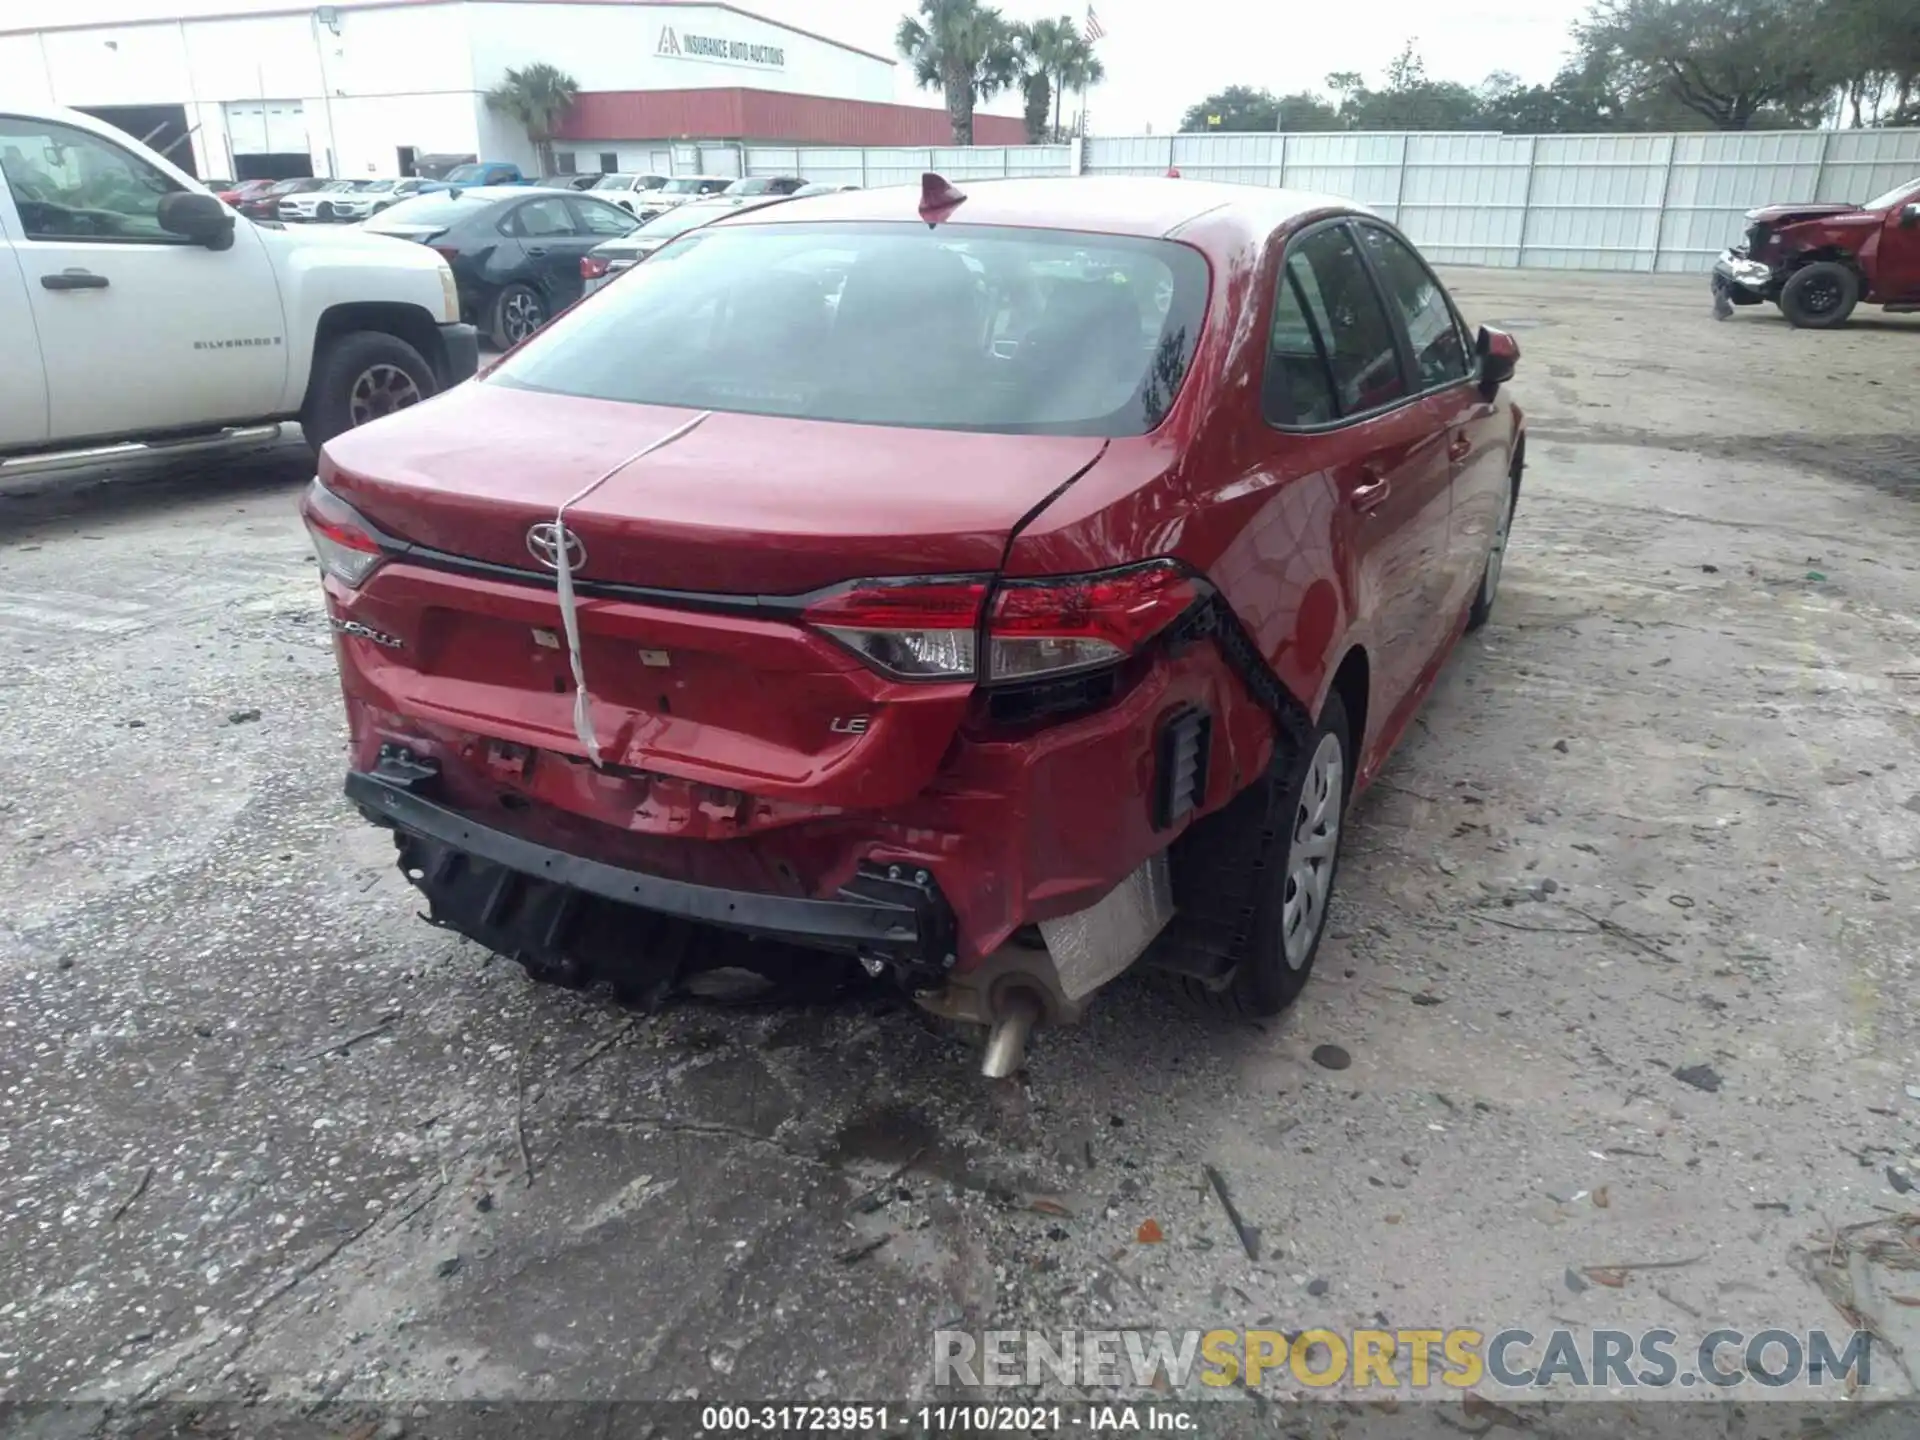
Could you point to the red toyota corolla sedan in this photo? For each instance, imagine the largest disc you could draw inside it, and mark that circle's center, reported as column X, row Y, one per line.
column 997, row 588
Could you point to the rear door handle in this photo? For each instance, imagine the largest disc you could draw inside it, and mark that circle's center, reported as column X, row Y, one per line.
column 1370, row 495
column 74, row 280
column 536, row 250
column 1460, row 449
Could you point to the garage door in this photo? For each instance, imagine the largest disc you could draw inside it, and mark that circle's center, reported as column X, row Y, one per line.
column 266, row 127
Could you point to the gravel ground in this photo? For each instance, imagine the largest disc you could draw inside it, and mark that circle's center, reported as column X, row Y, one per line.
column 264, row 1134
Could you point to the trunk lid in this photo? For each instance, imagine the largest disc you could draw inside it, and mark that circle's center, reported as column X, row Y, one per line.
column 744, row 505
column 751, row 703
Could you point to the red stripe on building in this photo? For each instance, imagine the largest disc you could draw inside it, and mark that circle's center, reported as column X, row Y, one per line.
column 740, row 114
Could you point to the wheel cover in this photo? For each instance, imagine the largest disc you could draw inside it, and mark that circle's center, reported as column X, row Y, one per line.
column 1496, row 558
column 1310, row 853
column 522, row 315
column 381, row 390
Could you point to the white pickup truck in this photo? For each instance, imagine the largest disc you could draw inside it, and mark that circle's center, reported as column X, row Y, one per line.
column 134, row 306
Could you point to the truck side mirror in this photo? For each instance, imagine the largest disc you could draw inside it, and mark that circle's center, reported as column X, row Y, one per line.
column 1910, row 217
column 1499, row 356
column 199, row 217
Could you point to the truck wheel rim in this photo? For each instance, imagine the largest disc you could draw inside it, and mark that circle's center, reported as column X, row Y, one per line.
column 1316, row 838
column 381, row 390
column 523, row 316
column 1821, row 295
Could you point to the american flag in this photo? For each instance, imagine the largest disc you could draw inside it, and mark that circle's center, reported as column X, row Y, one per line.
column 1094, row 28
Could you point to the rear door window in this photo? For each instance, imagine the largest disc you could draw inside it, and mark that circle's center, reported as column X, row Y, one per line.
column 546, row 217
column 599, row 219
column 1361, row 348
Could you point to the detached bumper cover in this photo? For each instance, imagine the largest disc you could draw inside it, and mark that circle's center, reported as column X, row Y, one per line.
column 881, row 914
column 1737, row 272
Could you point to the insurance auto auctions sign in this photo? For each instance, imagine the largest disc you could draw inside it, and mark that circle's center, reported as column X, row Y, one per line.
column 713, row 47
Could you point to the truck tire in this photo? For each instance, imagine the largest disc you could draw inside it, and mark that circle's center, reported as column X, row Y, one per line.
column 361, row 376
column 1820, row 296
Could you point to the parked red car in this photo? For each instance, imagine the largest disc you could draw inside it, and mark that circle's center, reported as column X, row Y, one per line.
column 245, row 190
column 992, row 587
column 1818, row 261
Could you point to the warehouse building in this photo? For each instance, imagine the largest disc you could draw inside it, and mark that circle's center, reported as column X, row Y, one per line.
column 249, row 88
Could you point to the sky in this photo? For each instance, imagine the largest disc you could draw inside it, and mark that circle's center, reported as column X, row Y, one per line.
column 1164, row 55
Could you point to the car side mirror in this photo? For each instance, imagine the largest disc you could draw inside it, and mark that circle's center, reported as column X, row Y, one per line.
column 1499, row 356
column 1910, row 217
column 200, row 218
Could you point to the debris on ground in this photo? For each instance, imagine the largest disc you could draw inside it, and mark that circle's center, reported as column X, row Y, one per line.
column 242, row 717
column 1700, row 1077
column 447, row 1267
column 1150, row 1232
column 1249, row 1236
column 1901, row 1184
column 861, row 1252
column 1331, row 1057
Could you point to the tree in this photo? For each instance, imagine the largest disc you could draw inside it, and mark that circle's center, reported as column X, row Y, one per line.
column 1877, row 48
column 1410, row 101
column 1733, row 62
column 1238, row 107
column 1056, row 50
column 539, row 98
column 963, row 49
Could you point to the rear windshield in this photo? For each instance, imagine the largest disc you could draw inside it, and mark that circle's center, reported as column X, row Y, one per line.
column 438, row 207
column 961, row 327
column 759, row 186
column 685, row 185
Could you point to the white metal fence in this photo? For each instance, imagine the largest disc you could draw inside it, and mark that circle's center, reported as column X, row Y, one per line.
column 1590, row 202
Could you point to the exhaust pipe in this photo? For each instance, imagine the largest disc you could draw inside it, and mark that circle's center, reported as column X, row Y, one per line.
column 1007, row 1042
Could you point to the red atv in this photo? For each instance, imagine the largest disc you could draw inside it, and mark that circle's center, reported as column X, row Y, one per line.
column 1818, row 261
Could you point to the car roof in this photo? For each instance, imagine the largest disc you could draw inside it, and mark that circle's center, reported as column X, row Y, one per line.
column 1104, row 204
column 507, row 192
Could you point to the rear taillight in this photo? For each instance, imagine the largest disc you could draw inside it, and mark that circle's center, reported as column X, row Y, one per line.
column 914, row 629
column 928, row 629
column 1080, row 622
column 592, row 267
column 347, row 546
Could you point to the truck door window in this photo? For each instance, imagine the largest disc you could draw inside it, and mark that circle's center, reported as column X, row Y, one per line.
column 71, row 185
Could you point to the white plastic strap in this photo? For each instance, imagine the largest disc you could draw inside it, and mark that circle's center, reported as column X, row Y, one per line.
column 569, row 615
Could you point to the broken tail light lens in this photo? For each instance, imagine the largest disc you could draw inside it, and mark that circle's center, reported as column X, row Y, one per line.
column 1048, row 627
column 592, row 267
column 911, row 629
column 347, row 546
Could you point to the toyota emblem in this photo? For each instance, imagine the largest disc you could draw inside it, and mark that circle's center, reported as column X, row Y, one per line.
column 544, row 542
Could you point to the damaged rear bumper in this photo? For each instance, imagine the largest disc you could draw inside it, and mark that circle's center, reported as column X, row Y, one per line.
column 526, row 899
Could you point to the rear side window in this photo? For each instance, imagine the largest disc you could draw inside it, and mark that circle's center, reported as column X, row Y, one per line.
column 967, row 327
column 1298, row 389
column 1439, row 351
column 1333, row 285
column 601, row 219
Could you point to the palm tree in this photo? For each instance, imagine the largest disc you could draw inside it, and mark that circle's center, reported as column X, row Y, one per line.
column 962, row 48
column 1080, row 69
column 539, row 98
column 1057, row 50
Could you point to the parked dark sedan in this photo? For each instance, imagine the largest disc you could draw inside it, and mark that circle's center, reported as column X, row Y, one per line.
column 515, row 251
column 588, row 181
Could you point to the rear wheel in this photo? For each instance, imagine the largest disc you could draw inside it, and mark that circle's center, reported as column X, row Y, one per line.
column 1290, row 827
column 359, row 377
column 1820, row 296
column 518, row 311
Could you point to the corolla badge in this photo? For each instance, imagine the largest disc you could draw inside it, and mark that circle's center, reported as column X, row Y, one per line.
column 544, row 542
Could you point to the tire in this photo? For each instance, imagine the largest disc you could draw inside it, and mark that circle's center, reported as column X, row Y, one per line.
column 517, row 311
column 1282, row 938
column 359, row 377
column 1489, row 590
column 1820, row 296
